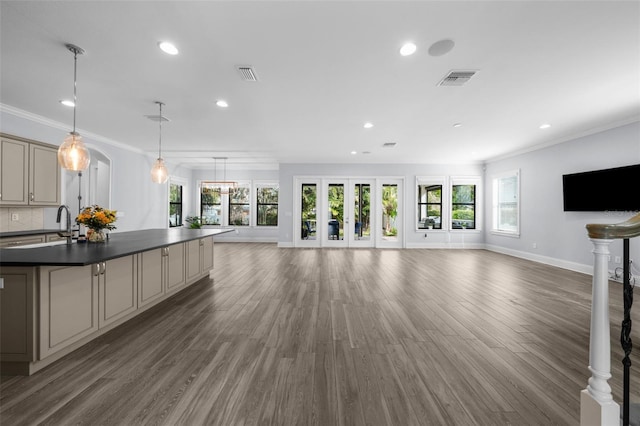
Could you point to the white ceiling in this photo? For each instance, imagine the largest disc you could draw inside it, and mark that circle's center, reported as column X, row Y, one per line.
column 324, row 69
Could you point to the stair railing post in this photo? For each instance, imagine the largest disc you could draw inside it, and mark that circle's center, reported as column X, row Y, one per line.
column 597, row 406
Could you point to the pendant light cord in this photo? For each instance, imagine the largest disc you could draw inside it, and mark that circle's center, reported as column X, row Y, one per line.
column 160, row 141
column 75, row 86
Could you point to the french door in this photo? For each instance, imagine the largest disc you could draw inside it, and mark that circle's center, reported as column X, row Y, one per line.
column 348, row 207
column 348, row 212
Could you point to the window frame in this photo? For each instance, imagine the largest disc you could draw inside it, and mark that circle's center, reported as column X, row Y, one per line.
column 181, row 204
column 497, row 203
column 432, row 181
column 477, row 204
column 213, row 188
column 258, row 185
column 231, row 204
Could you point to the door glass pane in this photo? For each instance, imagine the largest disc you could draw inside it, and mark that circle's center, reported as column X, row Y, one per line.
column 308, row 211
column 389, row 212
column 362, row 208
column 336, row 211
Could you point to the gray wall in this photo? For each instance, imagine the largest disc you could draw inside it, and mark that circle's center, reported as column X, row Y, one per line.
column 241, row 233
column 561, row 237
column 412, row 237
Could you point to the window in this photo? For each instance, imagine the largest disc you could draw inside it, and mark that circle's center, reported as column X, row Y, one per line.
column 239, row 205
column 429, row 206
column 506, row 203
column 210, row 205
column 464, row 209
column 267, row 205
column 175, row 205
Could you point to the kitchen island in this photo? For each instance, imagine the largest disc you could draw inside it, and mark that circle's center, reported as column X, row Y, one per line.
column 57, row 298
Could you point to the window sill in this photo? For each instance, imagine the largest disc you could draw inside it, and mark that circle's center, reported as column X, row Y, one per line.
column 506, row 234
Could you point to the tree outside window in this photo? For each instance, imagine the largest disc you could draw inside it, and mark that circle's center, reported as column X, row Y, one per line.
column 175, row 205
column 210, row 205
column 267, row 206
column 463, row 207
column 239, row 206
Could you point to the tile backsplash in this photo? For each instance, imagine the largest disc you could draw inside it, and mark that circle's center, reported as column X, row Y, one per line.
column 21, row 219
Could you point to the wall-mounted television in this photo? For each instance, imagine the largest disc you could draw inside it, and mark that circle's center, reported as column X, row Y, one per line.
column 615, row 189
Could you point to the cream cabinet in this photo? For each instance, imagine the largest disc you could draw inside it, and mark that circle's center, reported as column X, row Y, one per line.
column 30, row 174
column 117, row 289
column 174, row 267
column 199, row 258
column 150, row 277
column 162, row 271
column 48, row 311
column 14, row 172
column 44, row 176
column 68, row 306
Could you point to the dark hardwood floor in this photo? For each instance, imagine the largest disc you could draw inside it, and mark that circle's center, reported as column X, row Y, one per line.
column 339, row 337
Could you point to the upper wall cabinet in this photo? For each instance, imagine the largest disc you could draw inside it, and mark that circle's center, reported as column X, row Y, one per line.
column 30, row 174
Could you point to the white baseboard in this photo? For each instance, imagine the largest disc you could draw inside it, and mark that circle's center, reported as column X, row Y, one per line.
column 285, row 244
column 565, row 264
column 475, row 246
column 233, row 239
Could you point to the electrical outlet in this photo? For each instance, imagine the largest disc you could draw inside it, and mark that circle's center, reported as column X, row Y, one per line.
column 617, row 259
column 15, row 216
column 534, row 245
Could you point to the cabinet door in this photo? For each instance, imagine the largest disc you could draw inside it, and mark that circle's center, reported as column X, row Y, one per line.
column 193, row 261
column 175, row 260
column 150, row 281
column 117, row 289
column 44, row 178
column 68, row 306
column 207, row 254
column 14, row 172
column 16, row 315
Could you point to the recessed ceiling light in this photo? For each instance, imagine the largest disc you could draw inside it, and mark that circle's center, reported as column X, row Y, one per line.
column 354, row 152
column 168, row 47
column 408, row 49
column 222, row 103
column 368, row 125
column 456, row 125
column 67, row 102
column 545, row 126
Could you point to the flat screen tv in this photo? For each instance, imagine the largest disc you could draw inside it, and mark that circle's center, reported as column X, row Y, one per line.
column 602, row 190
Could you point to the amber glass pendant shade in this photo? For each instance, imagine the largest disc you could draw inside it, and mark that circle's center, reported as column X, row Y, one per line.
column 73, row 154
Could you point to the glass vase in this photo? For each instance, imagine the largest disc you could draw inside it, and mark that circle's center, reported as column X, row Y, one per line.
column 95, row 236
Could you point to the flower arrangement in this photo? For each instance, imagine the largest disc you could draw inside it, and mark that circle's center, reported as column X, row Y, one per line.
column 97, row 218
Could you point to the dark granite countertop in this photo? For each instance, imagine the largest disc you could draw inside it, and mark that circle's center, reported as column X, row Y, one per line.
column 119, row 244
column 29, row 232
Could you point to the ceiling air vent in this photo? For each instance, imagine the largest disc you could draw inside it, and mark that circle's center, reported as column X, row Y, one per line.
column 456, row 78
column 389, row 144
column 247, row 73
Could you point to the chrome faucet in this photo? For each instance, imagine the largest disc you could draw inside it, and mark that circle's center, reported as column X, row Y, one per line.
column 67, row 234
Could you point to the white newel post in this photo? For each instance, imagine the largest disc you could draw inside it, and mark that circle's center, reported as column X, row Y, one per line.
column 597, row 406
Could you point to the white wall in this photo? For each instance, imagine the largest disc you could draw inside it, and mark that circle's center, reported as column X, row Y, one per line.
column 408, row 172
column 143, row 202
column 561, row 237
column 240, row 233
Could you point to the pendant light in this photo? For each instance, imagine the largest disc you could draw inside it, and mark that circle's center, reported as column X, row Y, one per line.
column 159, row 172
column 73, row 154
column 224, row 184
